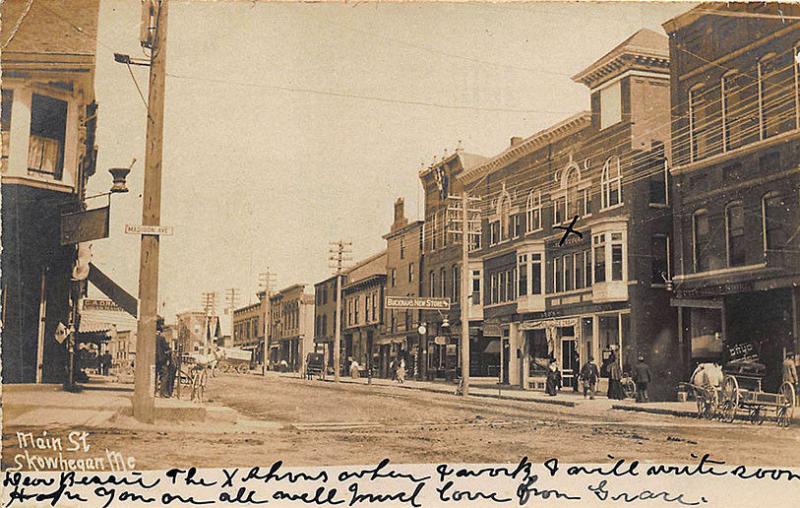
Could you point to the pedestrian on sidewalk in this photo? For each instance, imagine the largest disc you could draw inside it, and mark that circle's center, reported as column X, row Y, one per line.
column 354, row 369
column 790, row 371
column 401, row 371
column 172, row 371
column 393, row 370
column 615, row 391
column 589, row 375
column 642, row 376
column 576, row 364
column 553, row 383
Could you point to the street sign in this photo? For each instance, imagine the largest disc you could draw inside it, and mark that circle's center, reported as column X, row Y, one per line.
column 83, row 226
column 131, row 229
column 413, row 302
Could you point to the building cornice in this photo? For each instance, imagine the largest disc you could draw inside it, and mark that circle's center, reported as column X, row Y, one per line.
column 529, row 145
column 617, row 62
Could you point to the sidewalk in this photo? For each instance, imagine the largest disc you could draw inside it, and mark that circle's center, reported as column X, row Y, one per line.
column 566, row 398
column 104, row 403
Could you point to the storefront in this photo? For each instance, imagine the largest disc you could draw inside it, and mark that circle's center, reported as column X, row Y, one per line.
column 569, row 341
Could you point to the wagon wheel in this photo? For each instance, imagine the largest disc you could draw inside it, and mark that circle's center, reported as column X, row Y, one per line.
column 702, row 405
column 786, row 402
column 242, row 369
column 756, row 415
column 729, row 399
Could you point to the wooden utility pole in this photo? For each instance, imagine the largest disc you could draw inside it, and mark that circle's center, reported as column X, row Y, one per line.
column 338, row 252
column 145, row 375
column 265, row 281
column 465, row 230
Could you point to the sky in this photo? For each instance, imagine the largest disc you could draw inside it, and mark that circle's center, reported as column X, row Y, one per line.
column 292, row 125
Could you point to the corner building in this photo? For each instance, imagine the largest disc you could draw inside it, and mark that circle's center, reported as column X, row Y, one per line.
column 735, row 153
column 604, row 289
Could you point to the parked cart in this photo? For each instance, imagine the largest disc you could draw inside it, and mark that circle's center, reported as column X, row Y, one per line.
column 234, row 360
column 741, row 391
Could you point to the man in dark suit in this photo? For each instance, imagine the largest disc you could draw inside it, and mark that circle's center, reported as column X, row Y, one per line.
column 642, row 376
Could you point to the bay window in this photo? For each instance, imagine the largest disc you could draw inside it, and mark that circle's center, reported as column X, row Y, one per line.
column 48, row 130
column 600, row 258
column 476, row 287
column 536, row 274
column 616, row 256
column 522, row 270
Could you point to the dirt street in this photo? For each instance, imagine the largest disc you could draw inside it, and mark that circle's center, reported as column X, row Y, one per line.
column 323, row 423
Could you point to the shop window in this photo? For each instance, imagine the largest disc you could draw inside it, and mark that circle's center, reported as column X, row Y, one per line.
column 701, row 241
column 616, row 256
column 600, row 258
column 776, row 104
column 48, row 130
column 5, row 126
column 610, row 105
column 536, row 274
column 734, row 225
column 779, row 212
column 705, row 326
column 534, row 211
column 538, row 351
column 611, row 183
column 522, row 270
column 608, row 340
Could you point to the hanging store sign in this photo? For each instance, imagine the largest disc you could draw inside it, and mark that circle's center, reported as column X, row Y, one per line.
column 412, row 302
column 77, row 227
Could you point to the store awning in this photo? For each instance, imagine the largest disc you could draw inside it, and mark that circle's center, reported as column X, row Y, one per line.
column 548, row 323
column 113, row 290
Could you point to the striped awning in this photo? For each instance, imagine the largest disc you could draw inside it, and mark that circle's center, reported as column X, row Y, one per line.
column 89, row 326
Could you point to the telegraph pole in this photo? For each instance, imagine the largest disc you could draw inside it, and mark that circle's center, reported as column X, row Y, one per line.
column 338, row 253
column 265, row 280
column 231, row 298
column 144, row 388
column 466, row 232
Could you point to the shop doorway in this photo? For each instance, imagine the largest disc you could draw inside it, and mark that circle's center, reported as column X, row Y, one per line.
column 569, row 362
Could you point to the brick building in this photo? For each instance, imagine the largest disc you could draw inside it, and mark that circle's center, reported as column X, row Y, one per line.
column 735, row 154
column 248, row 327
column 399, row 338
column 48, row 154
column 604, row 290
column 362, row 311
column 325, row 316
column 291, row 326
column 441, row 254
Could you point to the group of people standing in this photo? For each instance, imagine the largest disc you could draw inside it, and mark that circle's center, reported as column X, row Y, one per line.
column 589, row 375
column 397, row 368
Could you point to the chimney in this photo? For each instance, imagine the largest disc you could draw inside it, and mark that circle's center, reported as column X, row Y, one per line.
column 399, row 215
column 399, row 212
column 515, row 141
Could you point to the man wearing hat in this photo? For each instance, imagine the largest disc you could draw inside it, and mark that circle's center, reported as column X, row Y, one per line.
column 642, row 375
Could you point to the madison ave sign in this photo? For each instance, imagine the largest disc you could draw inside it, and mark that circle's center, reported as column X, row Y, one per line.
column 413, row 302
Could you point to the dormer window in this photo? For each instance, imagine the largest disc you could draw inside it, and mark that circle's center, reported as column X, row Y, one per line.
column 610, row 105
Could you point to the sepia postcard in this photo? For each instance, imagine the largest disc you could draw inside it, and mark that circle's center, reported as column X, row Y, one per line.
column 401, row 254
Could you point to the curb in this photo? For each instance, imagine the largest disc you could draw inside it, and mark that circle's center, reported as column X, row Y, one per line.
column 655, row 410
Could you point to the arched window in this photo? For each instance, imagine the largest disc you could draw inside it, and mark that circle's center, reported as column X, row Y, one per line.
column 701, row 236
column 576, row 198
column 738, row 113
column 534, row 211
column 734, row 232
column 504, row 213
column 443, row 282
column 611, row 183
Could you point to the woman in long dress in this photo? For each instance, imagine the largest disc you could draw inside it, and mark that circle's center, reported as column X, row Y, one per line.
column 553, row 383
column 615, row 390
